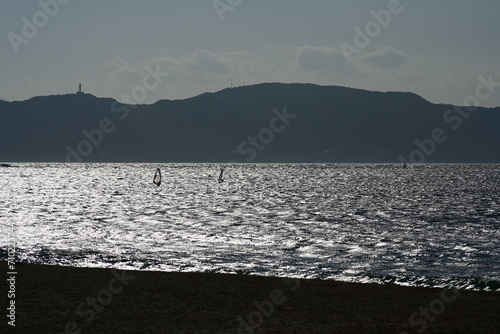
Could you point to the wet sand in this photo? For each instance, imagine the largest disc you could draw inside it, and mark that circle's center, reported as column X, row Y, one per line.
column 54, row 299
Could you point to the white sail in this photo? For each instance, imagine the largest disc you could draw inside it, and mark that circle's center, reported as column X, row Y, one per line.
column 221, row 178
column 157, row 178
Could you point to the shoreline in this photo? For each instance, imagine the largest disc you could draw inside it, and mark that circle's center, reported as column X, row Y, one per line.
column 57, row 299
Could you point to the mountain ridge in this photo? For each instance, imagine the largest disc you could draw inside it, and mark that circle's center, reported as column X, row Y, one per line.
column 249, row 124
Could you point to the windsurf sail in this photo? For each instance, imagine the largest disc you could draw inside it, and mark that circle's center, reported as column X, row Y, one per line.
column 157, row 178
column 221, row 177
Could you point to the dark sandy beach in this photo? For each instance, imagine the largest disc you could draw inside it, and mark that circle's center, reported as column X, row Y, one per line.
column 53, row 299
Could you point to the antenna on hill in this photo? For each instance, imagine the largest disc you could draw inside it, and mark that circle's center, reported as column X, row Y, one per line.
column 79, row 89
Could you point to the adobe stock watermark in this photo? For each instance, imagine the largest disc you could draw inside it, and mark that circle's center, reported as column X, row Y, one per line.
column 11, row 274
column 92, row 306
column 265, row 308
column 454, row 118
column 30, row 28
column 421, row 319
column 223, row 6
column 265, row 136
column 372, row 29
column 95, row 137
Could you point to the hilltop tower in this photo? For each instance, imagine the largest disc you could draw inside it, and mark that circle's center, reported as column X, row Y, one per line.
column 79, row 89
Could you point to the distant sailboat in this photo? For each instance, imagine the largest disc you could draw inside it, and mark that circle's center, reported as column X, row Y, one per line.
column 157, row 178
column 221, row 178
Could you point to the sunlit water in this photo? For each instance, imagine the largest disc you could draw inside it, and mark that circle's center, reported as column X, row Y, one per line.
column 426, row 225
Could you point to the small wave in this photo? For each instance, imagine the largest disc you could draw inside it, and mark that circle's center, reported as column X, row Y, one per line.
column 466, row 283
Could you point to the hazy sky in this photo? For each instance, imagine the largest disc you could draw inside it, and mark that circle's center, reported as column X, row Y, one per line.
column 435, row 48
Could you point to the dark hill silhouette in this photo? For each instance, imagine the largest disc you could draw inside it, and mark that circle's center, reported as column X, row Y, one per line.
column 331, row 124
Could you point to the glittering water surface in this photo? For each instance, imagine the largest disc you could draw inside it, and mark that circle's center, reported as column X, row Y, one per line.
column 426, row 225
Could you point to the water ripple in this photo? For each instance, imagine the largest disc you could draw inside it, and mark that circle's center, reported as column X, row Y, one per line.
column 427, row 225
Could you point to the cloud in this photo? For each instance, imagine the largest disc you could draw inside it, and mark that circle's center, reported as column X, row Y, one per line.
column 454, row 87
column 206, row 61
column 312, row 58
column 385, row 58
column 119, row 69
column 189, row 74
column 413, row 76
column 118, row 65
column 464, row 82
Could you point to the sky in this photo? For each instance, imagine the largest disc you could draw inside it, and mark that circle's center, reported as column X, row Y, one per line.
column 145, row 51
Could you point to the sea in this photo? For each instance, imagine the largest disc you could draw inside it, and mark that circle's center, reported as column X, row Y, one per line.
column 432, row 225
